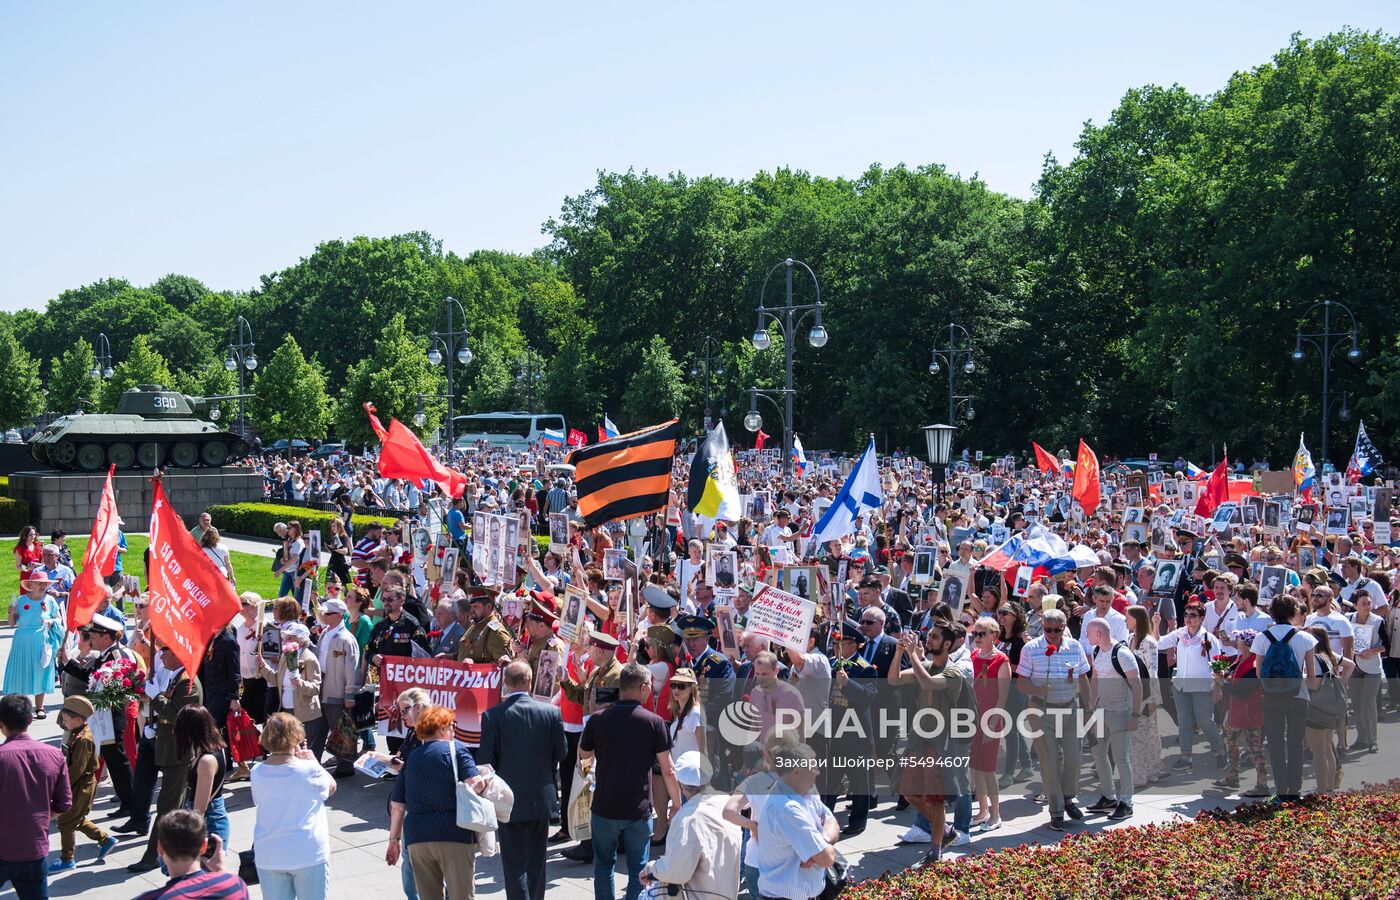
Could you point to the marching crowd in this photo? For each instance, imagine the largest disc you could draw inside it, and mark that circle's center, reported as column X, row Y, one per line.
column 1259, row 637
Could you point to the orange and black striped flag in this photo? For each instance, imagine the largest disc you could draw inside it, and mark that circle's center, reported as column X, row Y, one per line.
column 626, row 476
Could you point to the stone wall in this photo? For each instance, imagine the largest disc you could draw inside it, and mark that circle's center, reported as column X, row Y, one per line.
column 68, row 500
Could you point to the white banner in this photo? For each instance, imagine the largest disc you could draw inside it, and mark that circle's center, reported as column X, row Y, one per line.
column 782, row 618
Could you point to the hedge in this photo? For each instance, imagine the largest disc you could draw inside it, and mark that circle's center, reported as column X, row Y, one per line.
column 14, row 515
column 257, row 519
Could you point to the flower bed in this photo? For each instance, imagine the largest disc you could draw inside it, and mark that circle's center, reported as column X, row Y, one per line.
column 1345, row 845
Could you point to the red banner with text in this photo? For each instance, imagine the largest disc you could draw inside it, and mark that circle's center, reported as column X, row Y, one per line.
column 466, row 689
column 190, row 599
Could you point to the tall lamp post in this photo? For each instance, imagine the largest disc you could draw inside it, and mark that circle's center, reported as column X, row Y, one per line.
column 788, row 318
column 449, row 345
column 530, row 374
column 1327, row 342
column 707, row 357
column 102, row 363
column 939, row 439
column 955, row 357
column 240, row 358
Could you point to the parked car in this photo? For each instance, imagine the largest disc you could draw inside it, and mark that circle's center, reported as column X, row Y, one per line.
column 325, row 451
column 296, row 447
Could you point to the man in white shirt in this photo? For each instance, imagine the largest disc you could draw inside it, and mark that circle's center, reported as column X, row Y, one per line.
column 778, row 532
column 702, row 849
column 339, row 655
column 1326, row 614
column 795, row 836
column 1285, row 711
column 1353, row 570
column 1102, row 610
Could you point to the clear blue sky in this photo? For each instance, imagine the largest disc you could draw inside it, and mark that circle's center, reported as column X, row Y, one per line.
column 224, row 140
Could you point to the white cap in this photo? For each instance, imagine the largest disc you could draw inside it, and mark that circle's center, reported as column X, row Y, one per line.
column 334, row 606
column 296, row 630
column 693, row 769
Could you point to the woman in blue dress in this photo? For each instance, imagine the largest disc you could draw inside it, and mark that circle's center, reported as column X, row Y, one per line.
column 33, row 651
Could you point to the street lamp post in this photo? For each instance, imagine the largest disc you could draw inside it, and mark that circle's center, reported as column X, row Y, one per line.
column 453, row 344
column 939, row 439
column 530, row 375
column 951, row 356
column 102, row 364
column 1326, row 343
column 240, row 358
column 787, row 317
column 708, row 358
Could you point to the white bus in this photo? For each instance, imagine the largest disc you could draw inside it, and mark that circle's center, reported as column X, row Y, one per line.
column 515, row 430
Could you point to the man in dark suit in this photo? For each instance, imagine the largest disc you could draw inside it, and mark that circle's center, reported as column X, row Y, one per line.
column 893, row 597
column 182, row 690
column 523, row 739
column 879, row 647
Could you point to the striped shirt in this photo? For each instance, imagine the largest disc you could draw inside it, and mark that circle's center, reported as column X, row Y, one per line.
column 1053, row 668
column 198, row 884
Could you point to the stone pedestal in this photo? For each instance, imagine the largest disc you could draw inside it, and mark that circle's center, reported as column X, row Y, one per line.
column 68, row 500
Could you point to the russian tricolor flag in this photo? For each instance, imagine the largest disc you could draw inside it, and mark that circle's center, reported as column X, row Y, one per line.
column 551, row 438
column 607, row 429
column 1194, row 471
column 799, row 457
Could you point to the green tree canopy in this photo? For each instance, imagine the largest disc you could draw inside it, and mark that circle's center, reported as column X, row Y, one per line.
column 657, row 388
column 21, row 391
column 71, row 382
column 142, row 365
column 391, row 378
column 291, row 396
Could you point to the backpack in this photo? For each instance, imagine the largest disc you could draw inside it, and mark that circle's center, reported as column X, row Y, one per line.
column 1143, row 671
column 1279, row 671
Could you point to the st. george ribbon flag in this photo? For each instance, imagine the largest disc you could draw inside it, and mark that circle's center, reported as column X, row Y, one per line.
column 859, row 495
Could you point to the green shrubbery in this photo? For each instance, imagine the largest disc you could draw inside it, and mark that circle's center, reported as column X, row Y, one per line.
column 14, row 515
column 257, row 519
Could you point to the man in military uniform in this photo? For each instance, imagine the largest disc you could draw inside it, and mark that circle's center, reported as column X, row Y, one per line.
column 539, row 621
column 660, row 606
column 487, row 638
column 853, row 681
column 396, row 633
column 715, row 673
column 599, row 687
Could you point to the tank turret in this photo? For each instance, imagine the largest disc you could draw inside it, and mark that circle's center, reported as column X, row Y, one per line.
column 152, row 427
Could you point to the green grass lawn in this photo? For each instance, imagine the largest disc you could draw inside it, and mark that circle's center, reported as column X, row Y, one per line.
column 254, row 573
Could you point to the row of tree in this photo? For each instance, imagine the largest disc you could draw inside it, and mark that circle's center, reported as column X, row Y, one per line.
column 1147, row 297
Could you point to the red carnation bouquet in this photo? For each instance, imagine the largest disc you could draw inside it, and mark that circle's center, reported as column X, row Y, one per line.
column 114, row 683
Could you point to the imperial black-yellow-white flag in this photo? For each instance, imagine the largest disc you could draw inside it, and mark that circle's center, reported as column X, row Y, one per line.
column 626, row 476
column 714, row 489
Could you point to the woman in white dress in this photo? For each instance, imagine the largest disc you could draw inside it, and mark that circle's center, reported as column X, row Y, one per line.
column 1145, row 750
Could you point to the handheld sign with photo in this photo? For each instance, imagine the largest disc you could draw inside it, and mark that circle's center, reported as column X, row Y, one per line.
column 925, row 564
column 558, row 533
column 954, row 590
column 1273, row 516
column 728, row 637
column 1360, row 507
column 1338, row 519
column 575, row 611
column 1024, row 575
column 422, row 544
column 547, row 678
column 1224, row 515
column 1307, row 557
column 1305, row 516
column 1273, row 580
column 449, row 569
column 1253, row 510
column 481, row 548
column 1165, row 581
column 612, row 565
column 722, row 570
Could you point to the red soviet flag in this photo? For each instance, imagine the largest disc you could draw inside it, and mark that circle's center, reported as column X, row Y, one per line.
column 1086, row 479
column 1217, row 489
column 759, row 439
column 1049, row 465
column 577, row 438
column 189, row 597
column 402, row 455
column 99, row 559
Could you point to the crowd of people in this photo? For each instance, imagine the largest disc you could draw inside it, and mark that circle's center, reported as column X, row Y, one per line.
column 1249, row 644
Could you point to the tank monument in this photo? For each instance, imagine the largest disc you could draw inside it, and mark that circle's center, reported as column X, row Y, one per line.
column 152, row 428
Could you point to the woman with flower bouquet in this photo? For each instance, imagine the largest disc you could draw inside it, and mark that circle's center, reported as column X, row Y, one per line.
column 114, row 680
column 1238, row 676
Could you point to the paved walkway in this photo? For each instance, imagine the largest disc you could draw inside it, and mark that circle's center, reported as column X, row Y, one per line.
column 358, row 827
